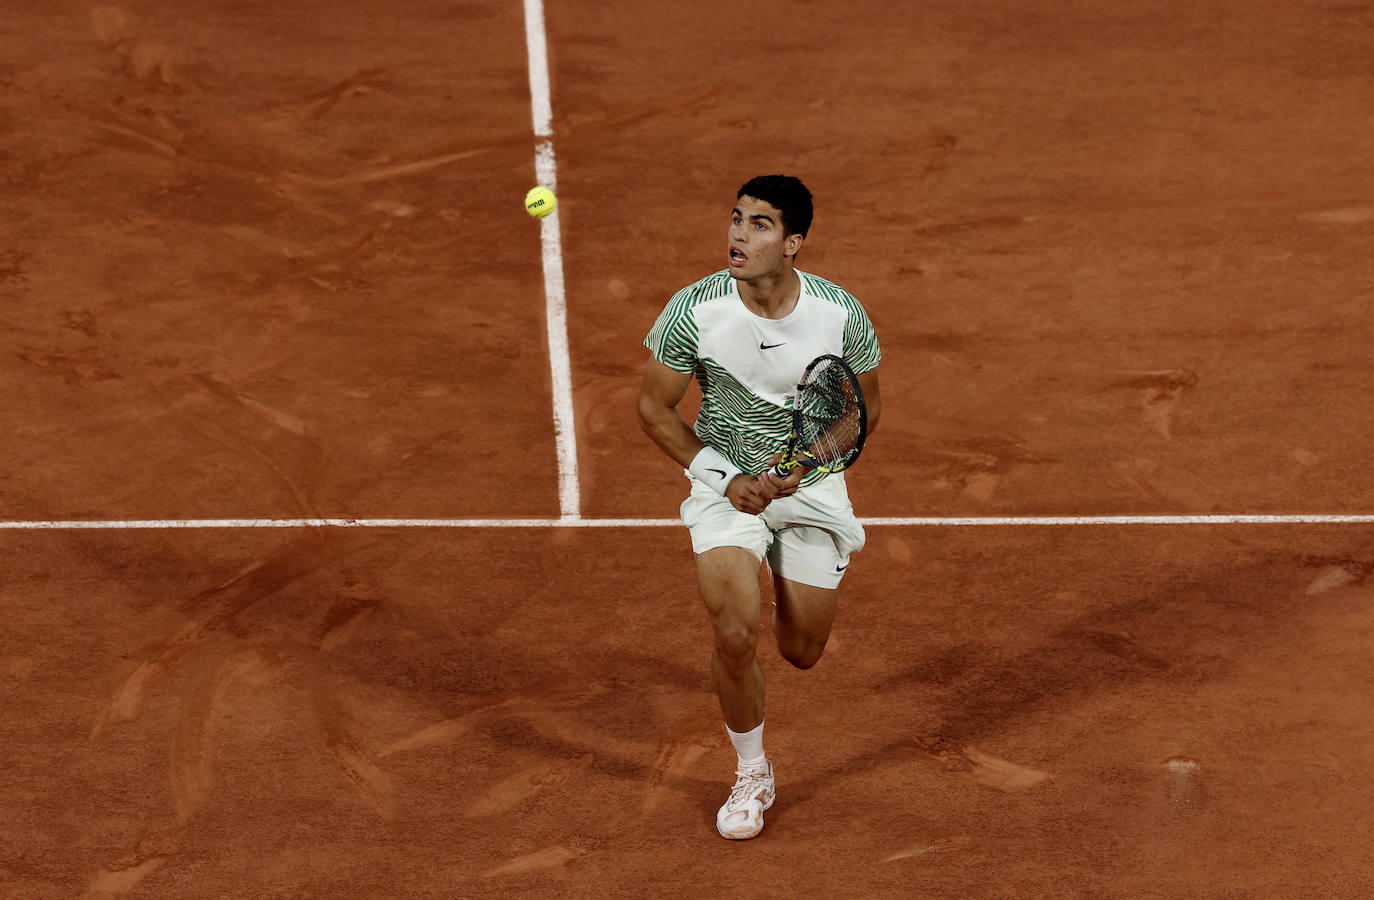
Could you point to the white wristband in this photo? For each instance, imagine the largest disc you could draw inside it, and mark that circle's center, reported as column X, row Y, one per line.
column 711, row 466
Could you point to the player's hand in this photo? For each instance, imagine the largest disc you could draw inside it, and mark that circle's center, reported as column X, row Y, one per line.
column 774, row 487
column 746, row 494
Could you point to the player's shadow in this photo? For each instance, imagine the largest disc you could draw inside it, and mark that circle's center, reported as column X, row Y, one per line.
column 1151, row 635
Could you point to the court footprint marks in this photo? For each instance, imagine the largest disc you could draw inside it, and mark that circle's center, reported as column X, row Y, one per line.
column 1159, row 393
column 977, row 467
column 144, row 58
column 1334, row 572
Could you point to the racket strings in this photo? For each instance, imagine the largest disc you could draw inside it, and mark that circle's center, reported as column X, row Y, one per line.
column 831, row 418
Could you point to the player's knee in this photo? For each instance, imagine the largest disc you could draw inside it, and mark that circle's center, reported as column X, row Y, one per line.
column 736, row 646
column 803, row 655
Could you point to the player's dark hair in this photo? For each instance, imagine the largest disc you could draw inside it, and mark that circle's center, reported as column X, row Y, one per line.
column 788, row 194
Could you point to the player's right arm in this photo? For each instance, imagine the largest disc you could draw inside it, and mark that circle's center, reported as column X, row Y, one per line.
column 659, row 395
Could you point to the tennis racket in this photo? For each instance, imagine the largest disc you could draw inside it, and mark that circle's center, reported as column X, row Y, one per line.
column 829, row 419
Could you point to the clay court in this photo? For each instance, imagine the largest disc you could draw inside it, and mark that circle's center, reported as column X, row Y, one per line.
column 300, row 601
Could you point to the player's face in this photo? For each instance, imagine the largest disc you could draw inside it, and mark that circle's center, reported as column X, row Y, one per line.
column 756, row 243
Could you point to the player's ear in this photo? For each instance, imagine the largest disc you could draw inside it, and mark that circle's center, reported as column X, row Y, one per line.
column 791, row 244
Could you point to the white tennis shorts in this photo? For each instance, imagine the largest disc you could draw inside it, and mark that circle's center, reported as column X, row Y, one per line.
column 807, row 537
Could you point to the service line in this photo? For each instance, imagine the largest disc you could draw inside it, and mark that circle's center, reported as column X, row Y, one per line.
column 579, row 522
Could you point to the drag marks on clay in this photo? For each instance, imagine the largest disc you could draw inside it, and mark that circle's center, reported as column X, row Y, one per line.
column 361, row 771
column 1330, row 578
column 193, row 745
column 1137, row 473
column 139, row 138
column 317, row 105
column 344, row 620
column 1350, row 215
column 680, row 105
column 393, row 171
column 287, row 451
column 1334, row 572
column 73, row 370
column 319, row 268
column 123, row 875
column 552, row 857
column 123, row 880
column 1123, row 646
column 1002, row 774
column 537, row 708
column 674, row 765
column 204, row 160
column 215, row 611
column 944, row 845
column 219, row 386
column 525, row 784
column 441, row 733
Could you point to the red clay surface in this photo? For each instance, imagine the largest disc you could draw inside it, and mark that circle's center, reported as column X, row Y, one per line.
column 267, row 260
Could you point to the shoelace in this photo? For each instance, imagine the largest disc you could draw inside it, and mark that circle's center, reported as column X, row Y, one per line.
column 748, row 784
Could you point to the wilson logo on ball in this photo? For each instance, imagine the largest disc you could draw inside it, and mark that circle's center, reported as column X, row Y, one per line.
column 540, row 202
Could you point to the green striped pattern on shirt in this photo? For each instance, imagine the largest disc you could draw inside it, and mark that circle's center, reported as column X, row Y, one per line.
column 861, row 349
column 674, row 337
column 733, row 419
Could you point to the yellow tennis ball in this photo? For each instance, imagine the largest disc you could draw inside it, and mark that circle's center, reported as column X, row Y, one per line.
column 540, row 201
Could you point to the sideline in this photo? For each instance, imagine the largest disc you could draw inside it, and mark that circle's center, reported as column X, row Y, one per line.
column 555, row 300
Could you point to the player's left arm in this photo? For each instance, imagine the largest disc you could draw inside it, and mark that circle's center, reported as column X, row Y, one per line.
column 873, row 401
column 862, row 354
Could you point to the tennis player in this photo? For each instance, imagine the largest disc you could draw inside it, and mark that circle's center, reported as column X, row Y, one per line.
column 746, row 334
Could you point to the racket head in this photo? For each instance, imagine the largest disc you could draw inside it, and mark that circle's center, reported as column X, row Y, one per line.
column 829, row 417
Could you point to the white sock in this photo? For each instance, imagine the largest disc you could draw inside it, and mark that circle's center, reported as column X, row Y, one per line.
column 749, row 746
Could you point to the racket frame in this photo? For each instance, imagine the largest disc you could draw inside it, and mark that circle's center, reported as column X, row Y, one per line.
column 798, row 455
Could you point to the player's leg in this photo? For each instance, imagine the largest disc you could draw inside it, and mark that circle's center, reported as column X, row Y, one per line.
column 815, row 534
column 729, row 547
column 728, row 578
column 803, row 615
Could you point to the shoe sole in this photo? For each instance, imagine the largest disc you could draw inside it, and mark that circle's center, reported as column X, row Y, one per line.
column 747, row 837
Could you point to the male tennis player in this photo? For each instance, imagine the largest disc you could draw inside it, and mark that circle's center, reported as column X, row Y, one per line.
column 747, row 334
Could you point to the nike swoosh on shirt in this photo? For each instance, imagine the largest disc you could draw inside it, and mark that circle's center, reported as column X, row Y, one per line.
column 770, row 346
column 842, row 568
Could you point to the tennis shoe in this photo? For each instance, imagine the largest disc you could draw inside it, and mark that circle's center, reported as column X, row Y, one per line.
column 742, row 815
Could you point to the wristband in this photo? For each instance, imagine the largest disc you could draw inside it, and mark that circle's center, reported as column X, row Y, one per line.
column 711, row 467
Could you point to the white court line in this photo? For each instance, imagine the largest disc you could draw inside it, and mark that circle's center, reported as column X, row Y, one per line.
column 555, row 302
column 578, row 522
